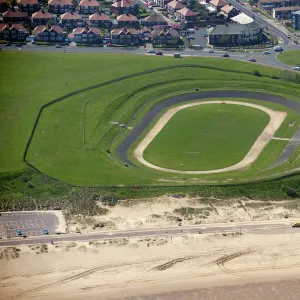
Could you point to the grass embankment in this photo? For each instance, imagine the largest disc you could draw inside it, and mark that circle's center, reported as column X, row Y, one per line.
column 291, row 57
column 206, row 137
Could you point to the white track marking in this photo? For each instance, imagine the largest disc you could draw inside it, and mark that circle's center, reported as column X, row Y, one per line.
column 276, row 119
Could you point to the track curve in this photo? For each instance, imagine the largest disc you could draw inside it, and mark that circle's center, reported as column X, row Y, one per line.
column 124, row 146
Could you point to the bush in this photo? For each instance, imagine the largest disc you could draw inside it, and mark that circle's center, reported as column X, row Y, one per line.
column 30, row 185
column 290, row 191
column 110, row 200
column 256, row 73
column 274, row 77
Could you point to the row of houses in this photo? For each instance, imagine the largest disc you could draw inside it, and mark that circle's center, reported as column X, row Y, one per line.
column 284, row 12
column 296, row 20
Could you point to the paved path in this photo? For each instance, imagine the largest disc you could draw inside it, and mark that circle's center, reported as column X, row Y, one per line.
column 124, row 146
column 266, row 227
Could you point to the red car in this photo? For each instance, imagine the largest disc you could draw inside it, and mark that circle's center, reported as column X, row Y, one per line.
column 196, row 27
column 159, row 53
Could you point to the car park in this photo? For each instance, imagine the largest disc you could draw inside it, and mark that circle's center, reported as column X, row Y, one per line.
column 151, row 51
column 296, row 68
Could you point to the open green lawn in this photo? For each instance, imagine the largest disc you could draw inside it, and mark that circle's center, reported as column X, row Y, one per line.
column 206, row 137
column 71, row 138
column 291, row 57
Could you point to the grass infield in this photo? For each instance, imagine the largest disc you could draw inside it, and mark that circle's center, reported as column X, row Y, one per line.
column 291, row 57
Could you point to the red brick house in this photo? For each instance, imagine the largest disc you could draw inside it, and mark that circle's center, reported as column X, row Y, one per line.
column 127, row 21
column 100, row 20
column 186, row 15
column 86, row 35
column 125, row 36
column 15, row 16
column 154, row 20
column 125, row 7
column 41, row 17
column 52, row 34
column 174, row 6
column 165, row 36
column 88, row 7
column 145, row 33
column 60, row 6
column 28, row 5
column 229, row 11
column 217, row 4
column 13, row 32
column 71, row 20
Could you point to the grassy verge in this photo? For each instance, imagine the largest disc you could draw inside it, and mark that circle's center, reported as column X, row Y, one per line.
column 291, row 57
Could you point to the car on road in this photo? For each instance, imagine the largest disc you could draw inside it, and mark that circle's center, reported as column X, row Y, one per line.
column 196, row 27
column 58, row 46
column 151, row 51
column 191, row 37
column 19, row 232
column 266, row 52
column 296, row 225
column 159, row 53
column 46, row 231
column 296, row 68
column 296, row 42
column 7, row 45
column 204, row 34
column 225, row 55
column 278, row 48
column 18, row 45
column 242, row 3
column 211, row 51
column 252, row 59
column 288, row 36
column 208, row 26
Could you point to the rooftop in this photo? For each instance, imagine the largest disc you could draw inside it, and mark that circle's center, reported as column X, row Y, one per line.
column 242, row 19
column 296, row 12
column 186, row 12
column 18, row 27
column 118, row 31
column 42, row 15
column 233, row 28
column 227, row 9
column 176, row 4
column 25, row 2
column 14, row 14
column 155, row 18
column 60, row 2
column 128, row 18
column 88, row 3
column 124, row 3
column 295, row 8
column 42, row 28
column 218, row 3
column 99, row 17
column 70, row 16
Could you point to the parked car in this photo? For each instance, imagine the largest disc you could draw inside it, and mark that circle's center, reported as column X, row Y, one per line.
column 267, row 52
column 296, row 42
column 151, row 51
column 196, row 27
column 19, row 232
column 226, row 55
column 296, row 225
column 46, row 231
column 208, row 26
column 7, row 45
column 278, row 48
column 18, row 45
column 191, row 37
column 58, row 46
column 288, row 36
column 191, row 30
column 252, row 59
column 159, row 53
column 204, row 34
column 296, row 68
column 211, row 51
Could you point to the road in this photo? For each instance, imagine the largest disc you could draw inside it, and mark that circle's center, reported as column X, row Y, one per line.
column 265, row 227
column 261, row 20
column 269, row 60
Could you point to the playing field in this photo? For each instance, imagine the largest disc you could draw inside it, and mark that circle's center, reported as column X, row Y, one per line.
column 206, row 137
column 291, row 57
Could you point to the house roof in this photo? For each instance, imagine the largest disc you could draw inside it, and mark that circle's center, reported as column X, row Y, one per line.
column 25, row 2
column 126, row 18
column 218, row 3
column 233, row 28
column 296, row 12
column 124, row 3
column 145, row 29
column 92, row 3
column 14, row 14
column 87, row 30
column 118, row 31
column 99, row 17
column 42, row 15
column 42, row 28
column 175, row 4
column 242, row 19
column 295, row 8
column 18, row 27
column 186, row 12
column 269, row 1
column 165, row 32
column 60, row 2
column 154, row 18
column 70, row 16
column 227, row 9
column 3, row 1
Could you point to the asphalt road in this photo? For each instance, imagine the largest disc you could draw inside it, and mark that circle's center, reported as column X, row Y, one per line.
column 124, row 146
column 269, row 60
column 266, row 228
column 261, row 21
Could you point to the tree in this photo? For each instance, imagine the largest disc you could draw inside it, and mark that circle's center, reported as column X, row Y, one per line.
column 191, row 4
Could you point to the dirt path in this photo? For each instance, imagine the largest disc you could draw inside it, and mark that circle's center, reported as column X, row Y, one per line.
column 276, row 119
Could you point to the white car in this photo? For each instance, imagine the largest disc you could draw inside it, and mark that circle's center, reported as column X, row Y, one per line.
column 296, row 68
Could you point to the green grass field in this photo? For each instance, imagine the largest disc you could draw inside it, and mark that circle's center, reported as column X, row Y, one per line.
column 291, row 57
column 206, row 137
column 71, row 138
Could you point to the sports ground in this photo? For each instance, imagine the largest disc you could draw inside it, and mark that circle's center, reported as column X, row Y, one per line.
column 83, row 124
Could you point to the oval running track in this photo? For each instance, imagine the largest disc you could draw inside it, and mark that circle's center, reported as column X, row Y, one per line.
column 124, row 146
